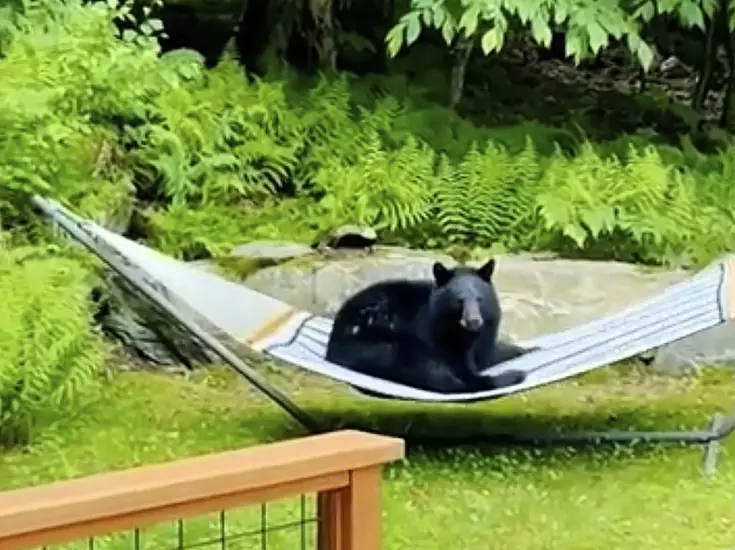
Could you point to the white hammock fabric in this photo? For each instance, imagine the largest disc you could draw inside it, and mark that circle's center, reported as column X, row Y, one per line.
column 300, row 338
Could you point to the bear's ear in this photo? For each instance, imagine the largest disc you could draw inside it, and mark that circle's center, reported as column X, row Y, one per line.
column 486, row 271
column 442, row 274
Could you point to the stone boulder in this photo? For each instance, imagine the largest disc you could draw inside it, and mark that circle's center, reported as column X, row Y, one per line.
column 144, row 332
column 271, row 251
column 538, row 295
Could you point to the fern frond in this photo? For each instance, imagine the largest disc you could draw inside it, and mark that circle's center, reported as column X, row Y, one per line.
column 489, row 196
column 49, row 354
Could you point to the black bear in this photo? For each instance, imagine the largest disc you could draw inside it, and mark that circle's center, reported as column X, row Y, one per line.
column 435, row 335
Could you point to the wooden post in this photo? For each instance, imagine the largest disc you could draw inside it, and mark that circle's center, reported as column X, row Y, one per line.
column 350, row 518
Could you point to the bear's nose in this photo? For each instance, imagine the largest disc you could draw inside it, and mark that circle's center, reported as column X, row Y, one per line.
column 471, row 323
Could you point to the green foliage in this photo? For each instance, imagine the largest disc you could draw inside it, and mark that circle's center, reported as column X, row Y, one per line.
column 50, row 358
column 67, row 80
column 588, row 25
column 218, row 139
column 489, row 197
column 644, row 202
column 368, row 191
column 212, row 230
column 222, row 158
column 374, row 165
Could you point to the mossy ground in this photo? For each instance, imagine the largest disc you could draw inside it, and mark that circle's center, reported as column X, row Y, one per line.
column 439, row 497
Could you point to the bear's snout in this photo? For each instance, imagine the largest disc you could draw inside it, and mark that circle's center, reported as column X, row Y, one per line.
column 471, row 317
column 472, row 323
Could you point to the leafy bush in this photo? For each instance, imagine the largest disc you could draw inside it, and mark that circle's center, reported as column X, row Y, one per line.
column 371, row 162
column 50, row 357
column 644, row 203
column 222, row 158
column 217, row 140
column 490, row 197
column 69, row 81
column 350, row 164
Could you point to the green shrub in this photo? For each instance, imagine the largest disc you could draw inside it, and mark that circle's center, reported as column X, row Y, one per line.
column 488, row 198
column 387, row 189
column 50, row 357
column 68, row 82
column 219, row 139
column 90, row 115
column 642, row 209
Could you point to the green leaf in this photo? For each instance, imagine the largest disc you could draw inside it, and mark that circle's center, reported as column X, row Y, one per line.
column 394, row 40
column 574, row 45
column 448, row 31
column 555, row 211
column 492, row 40
column 541, row 32
column 469, row 20
column 413, row 29
column 645, row 55
column 645, row 11
column 598, row 37
column 634, row 42
column 561, row 13
column 439, row 16
column 667, row 6
column 598, row 219
column 576, row 233
column 525, row 10
column 129, row 35
column 426, row 17
column 690, row 14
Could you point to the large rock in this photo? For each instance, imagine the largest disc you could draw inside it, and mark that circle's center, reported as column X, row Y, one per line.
column 271, row 251
column 538, row 296
column 144, row 331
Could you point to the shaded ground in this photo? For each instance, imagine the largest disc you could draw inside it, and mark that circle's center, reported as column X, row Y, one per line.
column 604, row 96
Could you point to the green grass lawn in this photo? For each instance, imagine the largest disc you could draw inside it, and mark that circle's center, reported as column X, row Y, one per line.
column 471, row 497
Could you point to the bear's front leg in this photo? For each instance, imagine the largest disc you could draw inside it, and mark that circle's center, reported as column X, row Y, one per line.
column 489, row 356
column 469, row 371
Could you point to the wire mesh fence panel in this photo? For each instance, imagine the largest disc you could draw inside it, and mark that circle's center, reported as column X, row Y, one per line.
column 288, row 524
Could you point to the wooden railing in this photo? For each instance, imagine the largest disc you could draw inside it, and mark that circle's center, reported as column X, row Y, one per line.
column 342, row 468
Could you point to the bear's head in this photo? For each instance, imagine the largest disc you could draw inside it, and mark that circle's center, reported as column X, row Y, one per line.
column 465, row 297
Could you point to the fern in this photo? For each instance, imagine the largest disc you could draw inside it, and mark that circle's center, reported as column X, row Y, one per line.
column 387, row 189
column 489, row 196
column 64, row 77
column 49, row 356
column 218, row 140
column 589, row 198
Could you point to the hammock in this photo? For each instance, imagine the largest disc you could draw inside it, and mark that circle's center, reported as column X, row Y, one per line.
column 208, row 304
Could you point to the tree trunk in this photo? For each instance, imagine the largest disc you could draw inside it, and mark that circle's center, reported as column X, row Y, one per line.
column 324, row 39
column 704, row 81
column 284, row 17
column 727, row 117
column 461, row 53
